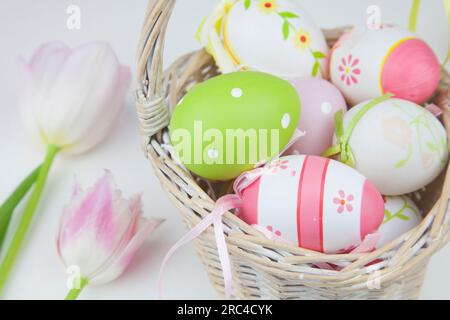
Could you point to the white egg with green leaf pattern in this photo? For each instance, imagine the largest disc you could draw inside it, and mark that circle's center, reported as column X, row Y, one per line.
column 273, row 36
column 398, row 145
column 401, row 215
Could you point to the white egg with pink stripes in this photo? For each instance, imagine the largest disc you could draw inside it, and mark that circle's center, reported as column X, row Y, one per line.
column 317, row 203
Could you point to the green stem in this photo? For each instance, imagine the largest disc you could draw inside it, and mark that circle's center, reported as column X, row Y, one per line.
column 8, row 207
column 74, row 293
column 413, row 15
column 27, row 217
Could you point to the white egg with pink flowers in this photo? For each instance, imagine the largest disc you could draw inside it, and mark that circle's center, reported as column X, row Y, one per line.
column 314, row 202
column 368, row 62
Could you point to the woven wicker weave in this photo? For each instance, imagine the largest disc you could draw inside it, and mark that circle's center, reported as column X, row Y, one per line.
column 263, row 268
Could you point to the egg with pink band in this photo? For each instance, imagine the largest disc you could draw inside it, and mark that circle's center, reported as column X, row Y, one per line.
column 314, row 202
column 368, row 62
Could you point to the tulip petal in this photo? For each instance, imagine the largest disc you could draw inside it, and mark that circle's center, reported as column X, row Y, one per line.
column 144, row 228
column 101, row 232
column 93, row 226
column 77, row 190
column 71, row 98
column 47, row 61
column 25, row 101
column 44, row 68
column 113, row 101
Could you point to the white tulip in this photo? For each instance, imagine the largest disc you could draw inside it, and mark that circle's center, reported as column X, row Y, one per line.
column 71, row 98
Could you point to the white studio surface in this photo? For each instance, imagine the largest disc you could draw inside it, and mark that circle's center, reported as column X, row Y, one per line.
column 24, row 25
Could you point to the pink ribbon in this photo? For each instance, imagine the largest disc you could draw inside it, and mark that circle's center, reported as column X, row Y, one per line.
column 223, row 205
column 369, row 243
column 246, row 179
column 434, row 109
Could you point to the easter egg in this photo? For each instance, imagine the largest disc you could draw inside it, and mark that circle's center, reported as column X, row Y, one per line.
column 273, row 36
column 398, row 145
column 401, row 215
column 367, row 62
column 317, row 203
column 229, row 123
column 320, row 101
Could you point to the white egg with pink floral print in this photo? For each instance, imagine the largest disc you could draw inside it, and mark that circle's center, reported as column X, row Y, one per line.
column 317, row 203
column 367, row 62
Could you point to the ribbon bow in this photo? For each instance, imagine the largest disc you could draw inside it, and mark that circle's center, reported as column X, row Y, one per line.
column 223, row 205
column 343, row 135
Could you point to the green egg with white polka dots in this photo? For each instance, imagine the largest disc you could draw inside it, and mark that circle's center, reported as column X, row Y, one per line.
column 229, row 123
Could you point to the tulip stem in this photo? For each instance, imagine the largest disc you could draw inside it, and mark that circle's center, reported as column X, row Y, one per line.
column 27, row 217
column 10, row 204
column 75, row 292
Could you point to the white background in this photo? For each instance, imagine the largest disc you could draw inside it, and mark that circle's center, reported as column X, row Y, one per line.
column 24, row 25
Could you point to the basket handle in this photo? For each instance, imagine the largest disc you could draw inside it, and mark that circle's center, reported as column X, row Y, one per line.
column 152, row 109
column 151, row 45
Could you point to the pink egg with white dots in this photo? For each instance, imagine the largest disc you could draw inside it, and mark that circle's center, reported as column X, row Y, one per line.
column 367, row 63
column 320, row 101
column 317, row 203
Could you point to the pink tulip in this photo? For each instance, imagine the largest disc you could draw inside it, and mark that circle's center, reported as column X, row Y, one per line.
column 101, row 231
column 70, row 98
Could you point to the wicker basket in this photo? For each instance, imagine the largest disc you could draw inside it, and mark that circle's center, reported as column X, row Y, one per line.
column 264, row 269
